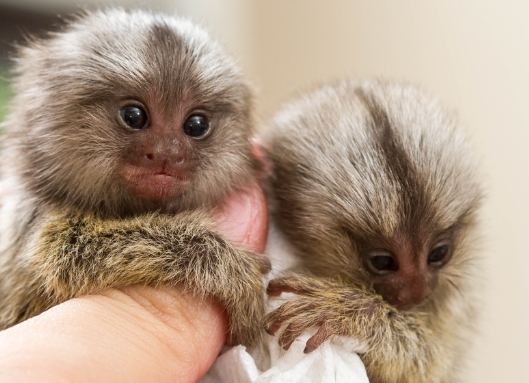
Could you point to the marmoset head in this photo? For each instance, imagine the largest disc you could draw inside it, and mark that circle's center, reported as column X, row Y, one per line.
column 374, row 184
column 123, row 112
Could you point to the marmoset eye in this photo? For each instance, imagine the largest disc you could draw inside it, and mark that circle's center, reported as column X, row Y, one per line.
column 382, row 262
column 134, row 117
column 438, row 254
column 196, row 126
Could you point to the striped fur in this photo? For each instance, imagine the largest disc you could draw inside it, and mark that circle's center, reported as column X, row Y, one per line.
column 360, row 165
column 71, row 224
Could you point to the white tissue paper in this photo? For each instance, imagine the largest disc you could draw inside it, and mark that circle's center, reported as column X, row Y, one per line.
column 335, row 362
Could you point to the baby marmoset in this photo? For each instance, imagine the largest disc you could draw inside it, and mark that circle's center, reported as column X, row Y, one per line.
column 377, row 190
column 126, row 127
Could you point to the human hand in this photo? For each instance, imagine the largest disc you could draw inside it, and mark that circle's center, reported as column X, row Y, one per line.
column 139, row 333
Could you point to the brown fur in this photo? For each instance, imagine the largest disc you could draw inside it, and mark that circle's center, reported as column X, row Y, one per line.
column 71, row 222
column 360, row 166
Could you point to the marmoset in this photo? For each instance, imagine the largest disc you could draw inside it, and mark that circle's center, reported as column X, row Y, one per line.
column 126, row 129
column 378, row 191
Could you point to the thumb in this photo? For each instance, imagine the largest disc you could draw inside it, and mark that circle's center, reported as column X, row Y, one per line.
column 244, row 218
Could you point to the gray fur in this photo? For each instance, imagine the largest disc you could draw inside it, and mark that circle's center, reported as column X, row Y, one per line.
column 67, row 88
column 360, row 165
column 71, row 223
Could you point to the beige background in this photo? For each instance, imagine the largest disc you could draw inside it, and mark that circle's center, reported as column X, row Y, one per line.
column 474, row 55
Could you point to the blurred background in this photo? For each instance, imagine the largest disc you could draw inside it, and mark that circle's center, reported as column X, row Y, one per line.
column 474, row 55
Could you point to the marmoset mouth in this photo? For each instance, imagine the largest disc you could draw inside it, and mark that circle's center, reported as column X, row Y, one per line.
column 155, row 186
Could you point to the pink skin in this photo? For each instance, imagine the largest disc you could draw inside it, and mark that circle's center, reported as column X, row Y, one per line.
column 158, row 184
column 245, row 219
column 135, row 334
column 159, row 160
